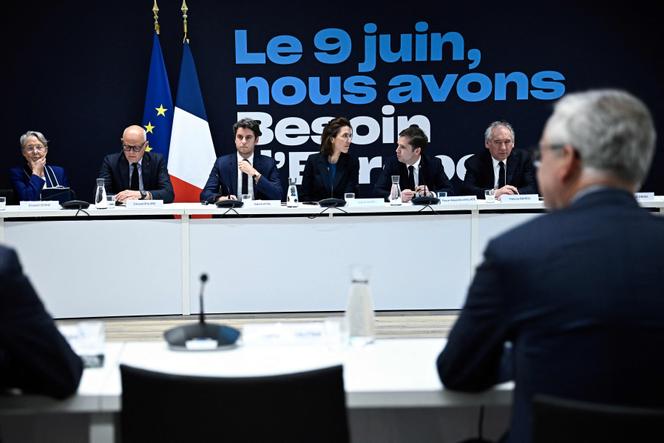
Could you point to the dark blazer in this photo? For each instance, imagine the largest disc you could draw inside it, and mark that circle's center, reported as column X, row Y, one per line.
column 115, row 172
column 28, row 187
column 316, row 178
column 431, row 174
column 579, row 294
column 223, row 179
column 33, row 355
column 479, row 173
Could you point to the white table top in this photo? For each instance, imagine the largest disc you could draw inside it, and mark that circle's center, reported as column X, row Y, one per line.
column 15, row 211
column 390, row 373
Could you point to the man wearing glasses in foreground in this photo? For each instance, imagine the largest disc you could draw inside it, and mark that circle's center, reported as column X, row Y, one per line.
column 578, row 292
column 134, row 174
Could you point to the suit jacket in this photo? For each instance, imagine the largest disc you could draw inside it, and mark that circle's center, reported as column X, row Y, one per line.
column 479, row 173
column 115, row 172
column 431, row 174
column 33, row 354
column 223, row 179
column 28, row 186
column 578, row 292
column 316, row 178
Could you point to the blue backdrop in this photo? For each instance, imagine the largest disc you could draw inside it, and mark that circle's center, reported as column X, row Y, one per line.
column 78, row 72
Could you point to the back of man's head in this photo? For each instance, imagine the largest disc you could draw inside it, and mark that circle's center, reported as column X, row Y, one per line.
column 612, row 131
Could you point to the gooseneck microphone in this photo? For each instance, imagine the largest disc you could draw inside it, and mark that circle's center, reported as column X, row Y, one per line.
column 201, row 314
column 201, row 336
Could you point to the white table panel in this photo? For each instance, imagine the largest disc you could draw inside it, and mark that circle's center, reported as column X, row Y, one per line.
column 300, row 264
column 98, row 268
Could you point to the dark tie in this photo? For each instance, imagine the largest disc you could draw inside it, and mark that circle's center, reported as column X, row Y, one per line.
column 501, row 174
column 411, row 177
column 134, row 177
column 245, row 180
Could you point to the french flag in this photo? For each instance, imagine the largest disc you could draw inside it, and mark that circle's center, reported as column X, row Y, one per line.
column 191, row 154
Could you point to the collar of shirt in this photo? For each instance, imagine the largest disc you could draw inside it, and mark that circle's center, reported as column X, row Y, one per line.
column 240, row 158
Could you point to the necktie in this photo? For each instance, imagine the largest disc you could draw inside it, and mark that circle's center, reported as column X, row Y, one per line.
column 411, row 177
column 134, row 177
column 245, row 181
column 501, row 174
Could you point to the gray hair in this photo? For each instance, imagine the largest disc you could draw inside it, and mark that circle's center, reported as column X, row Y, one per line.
column 494, row 125
column 612, row 131
column 36, row 134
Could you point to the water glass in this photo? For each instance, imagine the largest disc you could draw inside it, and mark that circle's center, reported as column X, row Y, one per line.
column 110, row 198
column 490, row 195
column 349, row 197
column 245, row 197
column 3, row 202
column 441, row 195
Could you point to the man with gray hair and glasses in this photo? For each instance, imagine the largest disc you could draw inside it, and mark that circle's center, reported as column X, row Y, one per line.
column 134, row 173
column 577, row 293
column 499, row 166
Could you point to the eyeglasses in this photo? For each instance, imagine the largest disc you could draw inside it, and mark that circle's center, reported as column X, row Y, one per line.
column 130, row 148
column 536, row 153
column 34, row 148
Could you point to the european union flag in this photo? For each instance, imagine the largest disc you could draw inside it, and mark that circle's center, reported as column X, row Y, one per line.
column 158, row 110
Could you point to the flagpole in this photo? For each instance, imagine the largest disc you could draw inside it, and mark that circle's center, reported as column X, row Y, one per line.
column 155, row 12
column 184, row 10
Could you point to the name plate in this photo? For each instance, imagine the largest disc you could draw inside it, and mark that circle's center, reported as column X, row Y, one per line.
column 645, row 196
column 282, row 333
column 520, row 198
column 262, row 204
column 459, row 199
column 47, row 204
column 366, row 202
column 142, row 204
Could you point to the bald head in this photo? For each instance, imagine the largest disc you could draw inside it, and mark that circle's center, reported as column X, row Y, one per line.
column 134, row 132
column 134, row 143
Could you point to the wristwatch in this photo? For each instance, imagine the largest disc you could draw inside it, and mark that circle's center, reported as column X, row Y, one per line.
column 143, row 195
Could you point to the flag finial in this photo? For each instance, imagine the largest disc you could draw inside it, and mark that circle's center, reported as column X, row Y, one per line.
column 184, row 10
column 155, row 12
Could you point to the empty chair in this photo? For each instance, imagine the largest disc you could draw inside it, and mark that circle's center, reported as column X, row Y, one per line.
column 299, row 407
column 557, row 420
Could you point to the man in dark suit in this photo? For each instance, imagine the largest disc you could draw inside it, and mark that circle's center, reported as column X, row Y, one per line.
column 499, row 166
column 577, row 292
column 243, row 172
column 135, row 174
column 34, row 356
column 417, row 172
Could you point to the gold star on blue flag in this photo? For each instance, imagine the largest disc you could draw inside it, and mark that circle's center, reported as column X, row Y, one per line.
column 158, row 109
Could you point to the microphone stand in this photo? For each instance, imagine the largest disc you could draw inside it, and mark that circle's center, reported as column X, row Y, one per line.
column 201, row 335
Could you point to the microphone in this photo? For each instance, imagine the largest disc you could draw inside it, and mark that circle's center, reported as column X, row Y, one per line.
column 201, row 314
column 201, row 336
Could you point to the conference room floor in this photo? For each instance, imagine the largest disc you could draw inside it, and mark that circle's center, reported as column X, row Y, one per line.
column 389, row 324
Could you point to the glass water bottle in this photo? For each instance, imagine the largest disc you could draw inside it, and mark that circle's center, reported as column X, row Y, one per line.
column 100, row 195
column 395, row 192
column 360, row 310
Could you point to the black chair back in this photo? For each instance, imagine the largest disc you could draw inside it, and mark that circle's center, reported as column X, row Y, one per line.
column 557, row 420
column 300, row 407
